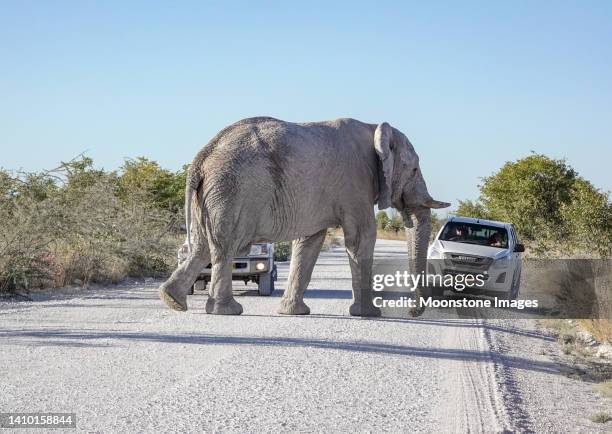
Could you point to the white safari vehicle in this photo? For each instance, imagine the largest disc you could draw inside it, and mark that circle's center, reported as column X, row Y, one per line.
column 258, row 266
column 471, row 246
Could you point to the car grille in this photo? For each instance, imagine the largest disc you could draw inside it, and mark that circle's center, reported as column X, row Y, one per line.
column 235, row 265
column 473, row 263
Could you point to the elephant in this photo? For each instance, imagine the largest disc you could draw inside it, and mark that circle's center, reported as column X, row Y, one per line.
column 264, row 179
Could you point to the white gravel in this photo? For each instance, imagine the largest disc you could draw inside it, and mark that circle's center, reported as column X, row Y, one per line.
column 123, row 362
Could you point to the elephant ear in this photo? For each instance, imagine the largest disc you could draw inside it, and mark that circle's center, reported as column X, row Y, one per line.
column 383, row 144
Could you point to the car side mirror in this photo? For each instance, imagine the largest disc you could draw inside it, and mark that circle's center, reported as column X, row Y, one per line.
column 519, row 248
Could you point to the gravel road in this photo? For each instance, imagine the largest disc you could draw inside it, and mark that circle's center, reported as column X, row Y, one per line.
column 123, row 362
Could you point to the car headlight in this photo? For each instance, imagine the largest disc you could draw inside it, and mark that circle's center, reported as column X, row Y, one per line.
column 501, row 262
column 434, row 254
column 258, row 250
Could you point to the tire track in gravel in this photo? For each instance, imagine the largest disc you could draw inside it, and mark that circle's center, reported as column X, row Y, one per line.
column 477, row 400
column 507, row 382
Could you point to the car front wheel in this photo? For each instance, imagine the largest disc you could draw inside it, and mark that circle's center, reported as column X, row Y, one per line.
column 437, row 292
column 515, row 288
column 265, row 286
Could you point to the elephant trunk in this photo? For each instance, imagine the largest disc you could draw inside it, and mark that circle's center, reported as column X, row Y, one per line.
column 418, row 231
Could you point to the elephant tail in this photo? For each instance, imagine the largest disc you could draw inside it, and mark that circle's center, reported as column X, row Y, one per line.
column 193, row 183
column 188, row 198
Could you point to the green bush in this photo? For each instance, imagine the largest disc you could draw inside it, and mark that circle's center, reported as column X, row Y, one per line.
column 382, row 219
column 395, row 224
column 554, row 210
column 588, row 219
column 282, row 251
column 468, row 208
column 164, row 188
column 393, row 228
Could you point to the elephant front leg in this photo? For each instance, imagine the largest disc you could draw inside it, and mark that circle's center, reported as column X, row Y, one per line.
column 360, row 248
column 304, row 253
column 221, row 299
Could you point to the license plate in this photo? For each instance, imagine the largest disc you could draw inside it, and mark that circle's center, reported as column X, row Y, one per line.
column 466, row 258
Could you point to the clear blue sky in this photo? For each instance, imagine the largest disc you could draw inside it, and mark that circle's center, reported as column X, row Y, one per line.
column 472, row 84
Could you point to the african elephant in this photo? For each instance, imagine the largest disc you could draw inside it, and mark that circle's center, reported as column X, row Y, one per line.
column 266, row 179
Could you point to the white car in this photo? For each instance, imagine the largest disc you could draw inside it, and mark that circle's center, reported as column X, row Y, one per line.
column 258, row 266
column 477, row 247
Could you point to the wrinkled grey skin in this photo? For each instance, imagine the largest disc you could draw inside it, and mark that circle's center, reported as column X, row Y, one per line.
column 266, row 179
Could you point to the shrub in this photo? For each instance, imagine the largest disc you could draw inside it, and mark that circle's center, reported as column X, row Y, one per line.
column 605, row 388
column 382, row 219
column 395, row 224
column 282, row 251
column 588, row 218
column 468, row 208
column 80, row 224
column 529, row 193
column 553, row 209
column 165, row 189
column 601, row 417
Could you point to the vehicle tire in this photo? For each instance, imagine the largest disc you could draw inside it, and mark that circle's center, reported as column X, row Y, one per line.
column 437, row 292
column 274, row 273
column 515, row 287
column 200, row 285
column 265, row 286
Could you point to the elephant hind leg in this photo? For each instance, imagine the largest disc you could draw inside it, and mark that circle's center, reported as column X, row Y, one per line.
column 360, row 239
column 221, row 298
column 174, row 291
column 304, row 253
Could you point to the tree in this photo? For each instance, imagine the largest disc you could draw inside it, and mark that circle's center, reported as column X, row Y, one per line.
column 468, row 208
column 395, row 223
column 436, row 223
column 588, row 218
column 166, row 188
column 550, row 205
column 381, row 220
column 530, row 193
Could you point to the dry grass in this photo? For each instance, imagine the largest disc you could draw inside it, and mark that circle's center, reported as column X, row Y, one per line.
column 605, row 388
column 580, row 363
column 601, row 329
column 601, row 417
column 566, row 333
column 585, row 292
column 380, row 234
column 334, row 238
column 390, row 235
column 562, row 329
column 336, row 233
column 80, row 230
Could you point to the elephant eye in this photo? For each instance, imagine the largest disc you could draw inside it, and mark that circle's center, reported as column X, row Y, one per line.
column 414, row 171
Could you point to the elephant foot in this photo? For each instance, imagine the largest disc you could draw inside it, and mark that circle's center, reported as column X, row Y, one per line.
column 420, row 308
column 231, row 307
column 416, row 311
column 358, row 309
column 173, row 300
column 289, row 307
column 210, row 304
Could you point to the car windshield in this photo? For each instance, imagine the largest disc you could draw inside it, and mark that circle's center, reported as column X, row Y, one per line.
column 474, row 233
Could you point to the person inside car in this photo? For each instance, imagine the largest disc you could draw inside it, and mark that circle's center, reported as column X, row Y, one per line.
column 495, row 240
column 459, row 234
